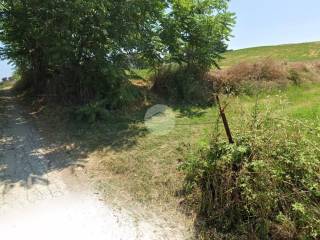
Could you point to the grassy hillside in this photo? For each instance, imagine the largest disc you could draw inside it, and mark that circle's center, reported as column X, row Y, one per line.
column 289, row 52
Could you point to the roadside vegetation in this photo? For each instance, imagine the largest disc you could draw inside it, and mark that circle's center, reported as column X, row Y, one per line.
column 85, row 50
column 89, row 80
column 279, row 127
column 5, row 87
column 263, row 186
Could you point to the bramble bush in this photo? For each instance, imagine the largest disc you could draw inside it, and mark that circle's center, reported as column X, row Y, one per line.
column 265, row 186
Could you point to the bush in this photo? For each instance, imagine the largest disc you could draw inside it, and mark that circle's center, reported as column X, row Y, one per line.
column 180, row 83
column 92, row 112
column 316, row 65
column 232, row 79
column 128, row 96
column 300, row 67
column 23, row 81
column 265, row 186
column 295, row 77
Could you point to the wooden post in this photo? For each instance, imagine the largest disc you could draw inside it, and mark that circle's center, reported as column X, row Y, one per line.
column 225, row 121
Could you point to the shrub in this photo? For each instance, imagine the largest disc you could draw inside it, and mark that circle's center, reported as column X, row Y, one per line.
column 180, row 83
column 294, row 76
column 231, row 79
column 300, row 67
column 265, row 186
column 128, row 96
column 316, row 65
column 92, row 112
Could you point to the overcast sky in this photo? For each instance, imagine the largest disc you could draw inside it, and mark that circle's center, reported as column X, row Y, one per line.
column 264, row 22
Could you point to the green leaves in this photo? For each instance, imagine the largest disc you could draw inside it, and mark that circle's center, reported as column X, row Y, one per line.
column 273, row 192
column 196, row 32
column 65, row 46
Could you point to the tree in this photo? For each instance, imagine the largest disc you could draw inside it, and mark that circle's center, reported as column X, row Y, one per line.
column 79, row 50
column 196, row 31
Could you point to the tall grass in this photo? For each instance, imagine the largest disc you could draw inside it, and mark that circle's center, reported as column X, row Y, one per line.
column 265, row 74
column 265, row 186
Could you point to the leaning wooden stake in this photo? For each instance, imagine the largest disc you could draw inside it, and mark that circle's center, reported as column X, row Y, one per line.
column 225, row 121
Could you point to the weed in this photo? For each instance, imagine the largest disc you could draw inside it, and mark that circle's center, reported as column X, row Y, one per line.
column 265, row 185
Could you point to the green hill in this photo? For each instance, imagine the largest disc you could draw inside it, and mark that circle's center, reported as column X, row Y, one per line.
column 288, row 52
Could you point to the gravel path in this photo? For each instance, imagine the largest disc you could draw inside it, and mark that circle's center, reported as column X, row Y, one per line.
column 37, row 200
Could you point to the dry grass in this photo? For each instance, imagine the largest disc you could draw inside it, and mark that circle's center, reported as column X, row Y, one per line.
column 147, row 171
column 316, row 66
column 308, row 72
column 122, row 157
column 263, row 74
column 300, row 67
column 126, row 161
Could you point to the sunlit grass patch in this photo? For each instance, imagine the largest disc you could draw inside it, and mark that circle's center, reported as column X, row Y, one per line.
column 288, row 53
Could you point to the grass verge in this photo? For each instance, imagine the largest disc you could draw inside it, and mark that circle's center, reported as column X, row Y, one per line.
column 124, row 155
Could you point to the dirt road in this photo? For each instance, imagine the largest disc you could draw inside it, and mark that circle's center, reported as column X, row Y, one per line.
column 41, row 199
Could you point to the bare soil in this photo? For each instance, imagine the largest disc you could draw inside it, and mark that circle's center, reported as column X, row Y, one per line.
column 46, row 194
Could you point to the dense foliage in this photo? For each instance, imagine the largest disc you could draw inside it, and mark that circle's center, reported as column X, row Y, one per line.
column 194, row 31
column 265, row 186
column 183, row 84
column 79, row 50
